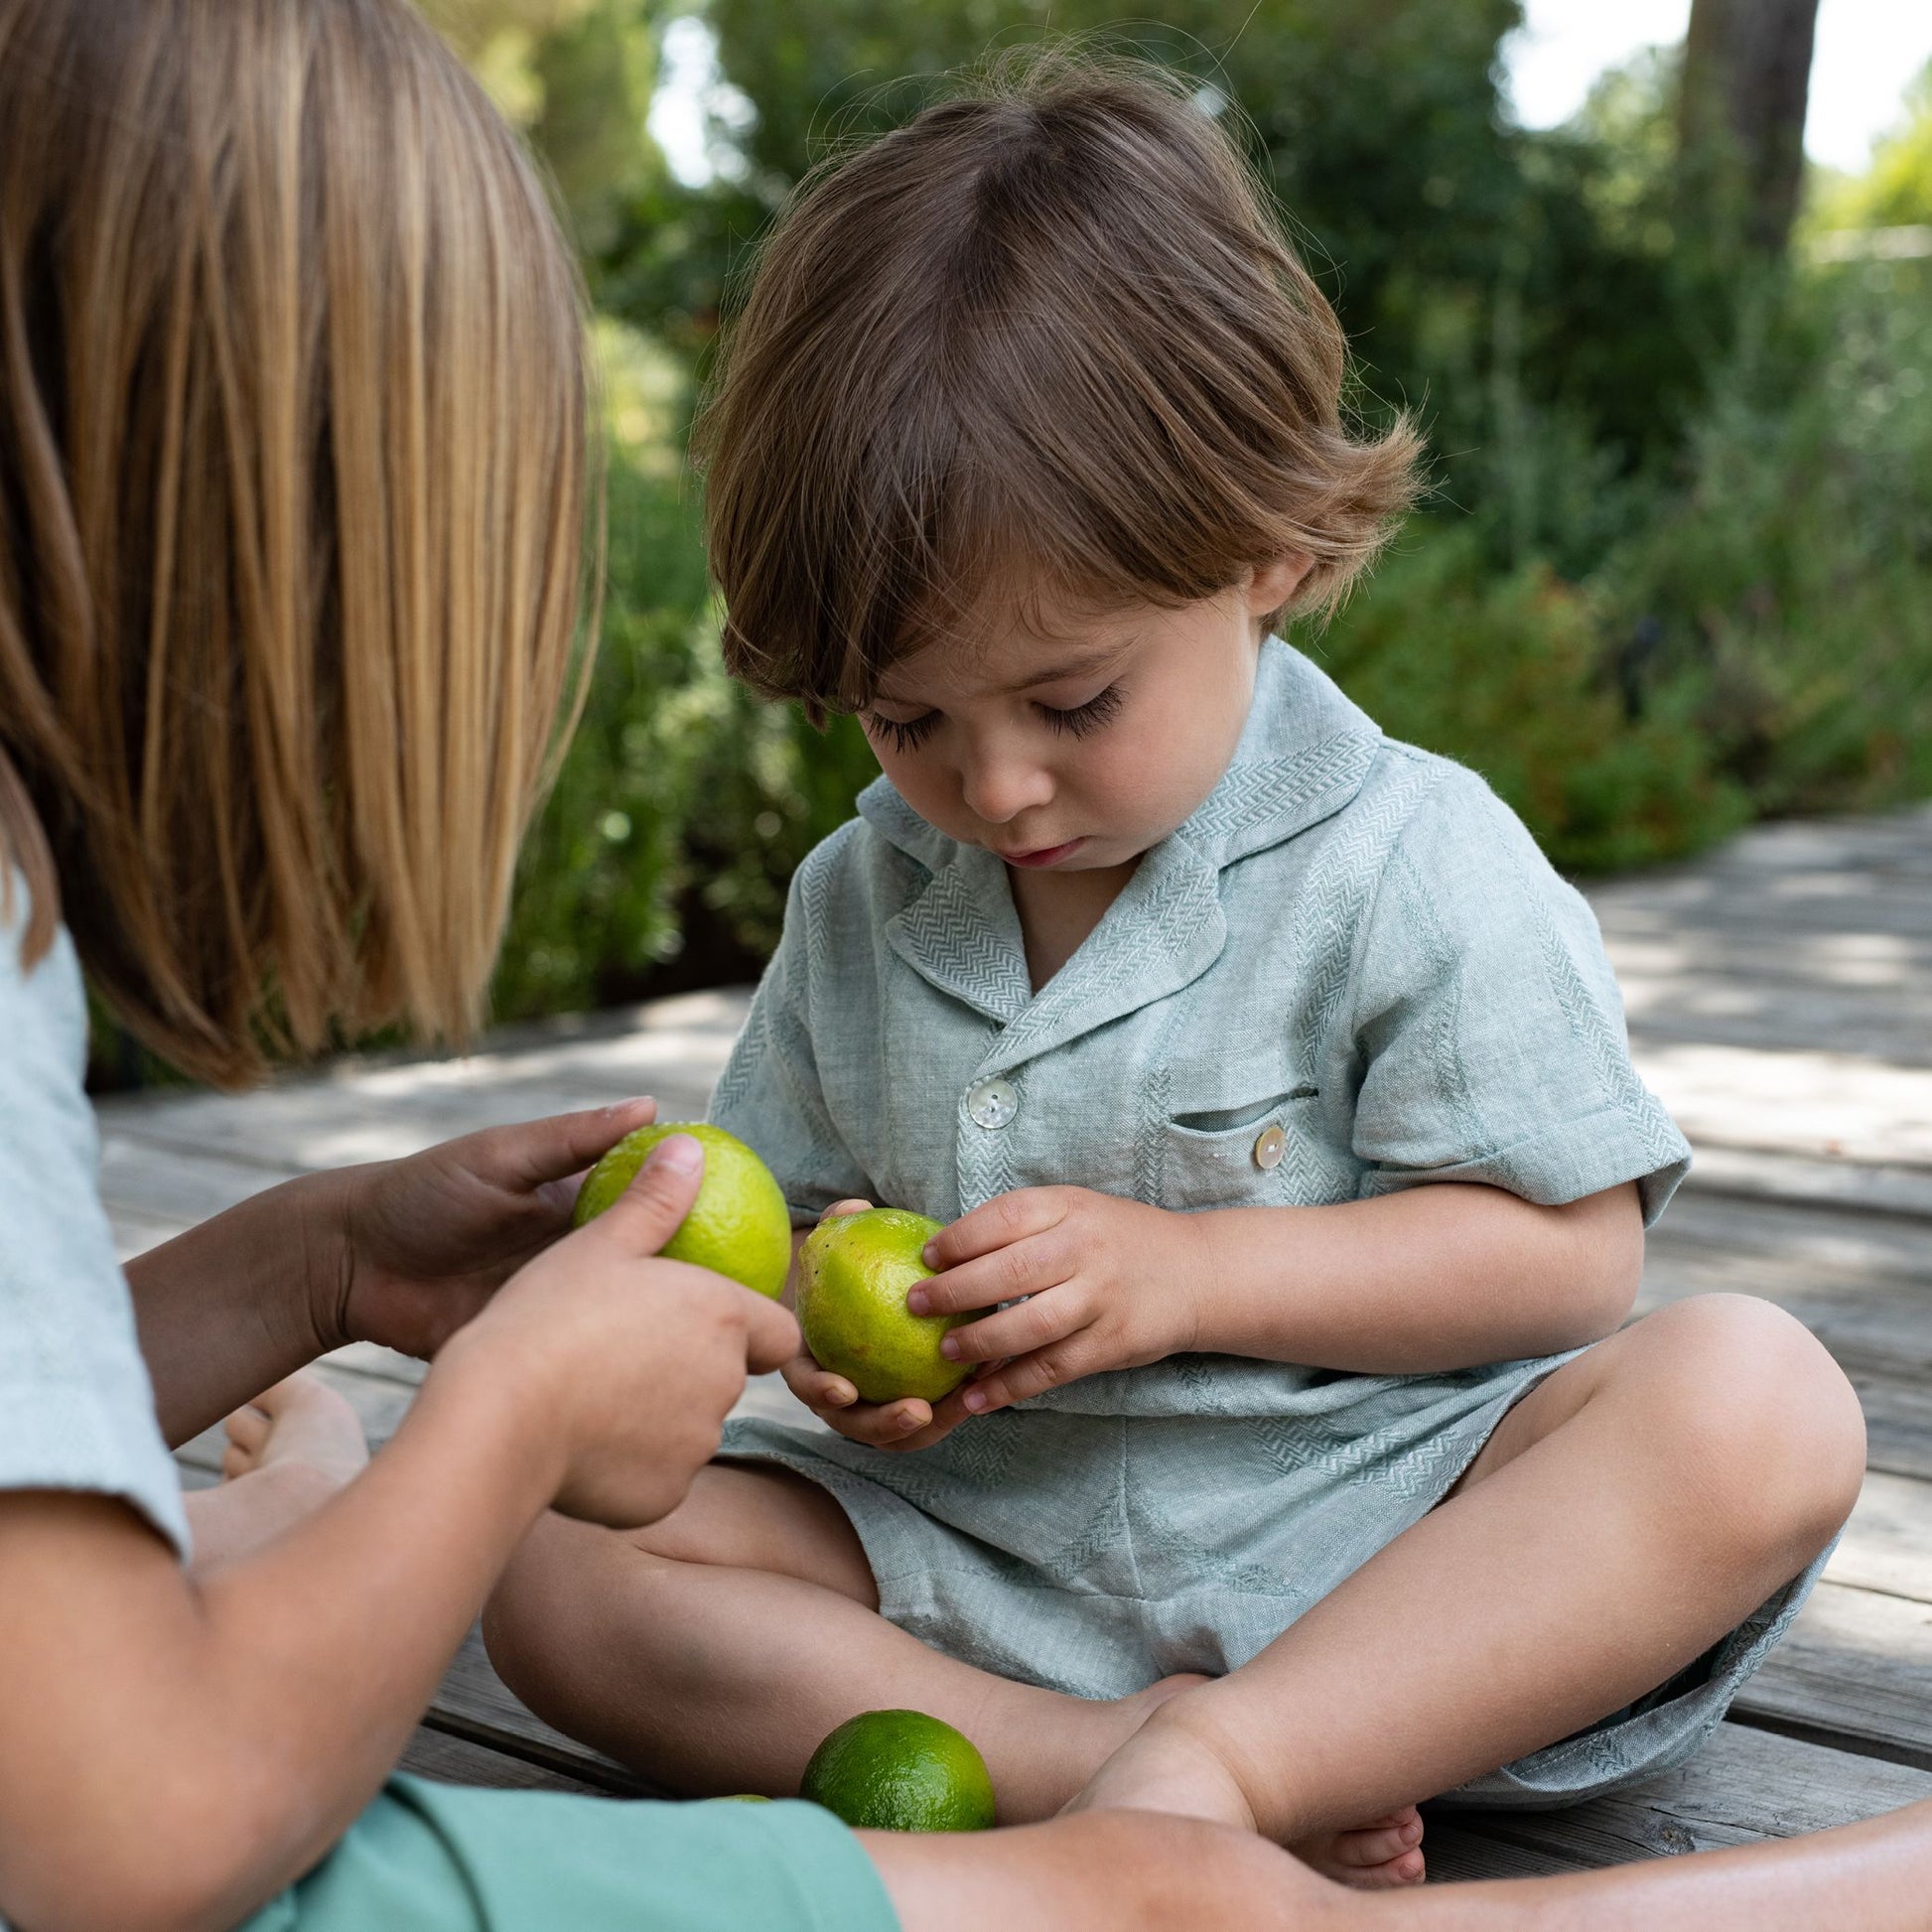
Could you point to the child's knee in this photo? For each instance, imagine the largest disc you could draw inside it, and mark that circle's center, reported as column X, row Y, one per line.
column 1763, row 1420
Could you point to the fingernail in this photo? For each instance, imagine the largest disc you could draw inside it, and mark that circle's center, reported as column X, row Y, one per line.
column 948, row 1348
column 918, row 1302
column 840, row 1397
column 681, row 1154
column 975, row 1400
column 929, row 1254
column 906, row 1423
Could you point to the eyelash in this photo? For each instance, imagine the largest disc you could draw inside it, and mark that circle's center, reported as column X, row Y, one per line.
column 1099, row 710
column 907, row 734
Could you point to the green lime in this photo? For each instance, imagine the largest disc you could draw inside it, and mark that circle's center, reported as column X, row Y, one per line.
column 900, row 1771
column 853, row 1277
column 738, row 1226
column 743, row 1798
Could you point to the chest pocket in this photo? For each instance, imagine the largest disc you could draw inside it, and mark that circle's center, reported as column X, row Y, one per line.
column 1237, row 1133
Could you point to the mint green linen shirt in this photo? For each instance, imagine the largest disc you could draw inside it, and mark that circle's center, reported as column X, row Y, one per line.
column 1349, row 972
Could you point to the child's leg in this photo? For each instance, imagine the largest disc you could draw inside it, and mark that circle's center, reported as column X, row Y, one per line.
column 715, row 1649
column 289, row 1450
column 1155, row 1876
column 1626, row 1514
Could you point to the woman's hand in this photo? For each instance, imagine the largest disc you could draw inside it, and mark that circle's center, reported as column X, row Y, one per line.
column 626, row 1363
column 423, row 1243
column 1106, row 1283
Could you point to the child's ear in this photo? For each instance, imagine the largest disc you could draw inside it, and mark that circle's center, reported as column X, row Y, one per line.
column 1272, row 584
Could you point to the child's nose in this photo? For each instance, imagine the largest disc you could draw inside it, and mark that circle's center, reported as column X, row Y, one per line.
column 998, row 785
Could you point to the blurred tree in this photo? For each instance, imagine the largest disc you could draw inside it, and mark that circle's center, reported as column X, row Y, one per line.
column 1741, row 111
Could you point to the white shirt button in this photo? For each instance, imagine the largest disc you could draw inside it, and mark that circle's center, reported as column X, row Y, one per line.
column 992, row 1103
column 1270, row 1148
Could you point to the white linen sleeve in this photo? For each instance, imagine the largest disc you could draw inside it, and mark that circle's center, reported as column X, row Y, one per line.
column 77, row 1408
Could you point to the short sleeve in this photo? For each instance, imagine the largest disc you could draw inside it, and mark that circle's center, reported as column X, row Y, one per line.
column 770, row 1095
column 1488, row 1024
column 77, row 1408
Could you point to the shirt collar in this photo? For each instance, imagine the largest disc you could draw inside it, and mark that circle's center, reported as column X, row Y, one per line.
column 1304, row 753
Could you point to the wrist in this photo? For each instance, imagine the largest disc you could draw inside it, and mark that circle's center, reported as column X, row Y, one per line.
column 501, row 1395
column 316, row 1209
column 1198, row 1273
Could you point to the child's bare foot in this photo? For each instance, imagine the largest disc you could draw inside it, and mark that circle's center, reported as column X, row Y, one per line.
column 1171, row 1768
column 289, row 1450
column 1376, row 1856
column 301, row 1422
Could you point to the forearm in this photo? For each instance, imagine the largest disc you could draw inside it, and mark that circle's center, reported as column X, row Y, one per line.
column 1435, row 1278
column 177, row 1751
column 231, row 1306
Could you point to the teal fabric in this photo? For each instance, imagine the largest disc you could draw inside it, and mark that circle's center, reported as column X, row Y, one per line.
column 1350, row 940
column 77, row 1408
column 431, row 1857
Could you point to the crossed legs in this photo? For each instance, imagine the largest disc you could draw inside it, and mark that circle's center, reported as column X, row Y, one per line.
column 1639, row 1504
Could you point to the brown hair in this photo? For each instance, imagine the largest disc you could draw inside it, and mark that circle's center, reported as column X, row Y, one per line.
column 293, row 480
column 1047, row 333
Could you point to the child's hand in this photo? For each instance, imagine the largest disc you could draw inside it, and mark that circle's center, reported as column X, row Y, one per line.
column 624, row 1364
column 835, row 1402
column 1113, row 1284
column 421, row 1244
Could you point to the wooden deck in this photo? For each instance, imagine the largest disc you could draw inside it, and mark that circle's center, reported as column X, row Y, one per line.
column 1780, row 1000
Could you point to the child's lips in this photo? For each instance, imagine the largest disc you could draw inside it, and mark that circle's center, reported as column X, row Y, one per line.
column 1045, row 855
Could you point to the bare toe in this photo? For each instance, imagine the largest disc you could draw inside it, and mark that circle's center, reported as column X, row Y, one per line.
column 300, row 1421
column 1375, row 1857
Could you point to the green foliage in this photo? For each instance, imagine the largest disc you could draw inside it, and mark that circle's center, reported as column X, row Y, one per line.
column 1896, row 190
column 1675, row 575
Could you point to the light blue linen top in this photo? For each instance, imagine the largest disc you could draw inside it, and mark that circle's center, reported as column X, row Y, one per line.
column 1350, row 939
column 1349, row 972
column 77, row 1408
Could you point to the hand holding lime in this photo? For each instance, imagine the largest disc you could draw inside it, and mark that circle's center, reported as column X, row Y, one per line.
column 853, row 1274
column 738, row 1226
column 900, row 1771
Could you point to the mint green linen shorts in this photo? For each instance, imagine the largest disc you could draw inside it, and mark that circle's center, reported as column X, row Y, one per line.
column 439, row 1858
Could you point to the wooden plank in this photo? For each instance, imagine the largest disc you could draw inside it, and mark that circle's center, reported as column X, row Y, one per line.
column 450, row 1759
column 1811, row 1103
column 1742, row 1786
column 1752, row 1174
column 1856, row 1672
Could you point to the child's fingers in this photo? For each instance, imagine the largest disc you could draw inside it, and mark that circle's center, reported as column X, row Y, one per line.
column 1029, row 1266
column 1020, row 1380
column 532, row 1151
column 1048, row 1318
column 996, row 1223
column 816, row 1387
column 839, row 1209
column 880, row 1424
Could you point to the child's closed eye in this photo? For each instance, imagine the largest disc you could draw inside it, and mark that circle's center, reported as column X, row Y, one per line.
column 1079, row 720
column 905, row 734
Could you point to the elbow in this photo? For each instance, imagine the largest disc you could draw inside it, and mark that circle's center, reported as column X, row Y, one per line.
column 167, row 1862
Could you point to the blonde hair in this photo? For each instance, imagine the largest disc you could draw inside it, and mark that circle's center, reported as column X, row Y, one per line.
column 1046, row 335
column 293, row 483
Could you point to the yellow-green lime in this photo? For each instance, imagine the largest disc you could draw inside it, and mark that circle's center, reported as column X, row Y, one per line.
column 853, row 1277
column 738, row 1226
column 900, row 1771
